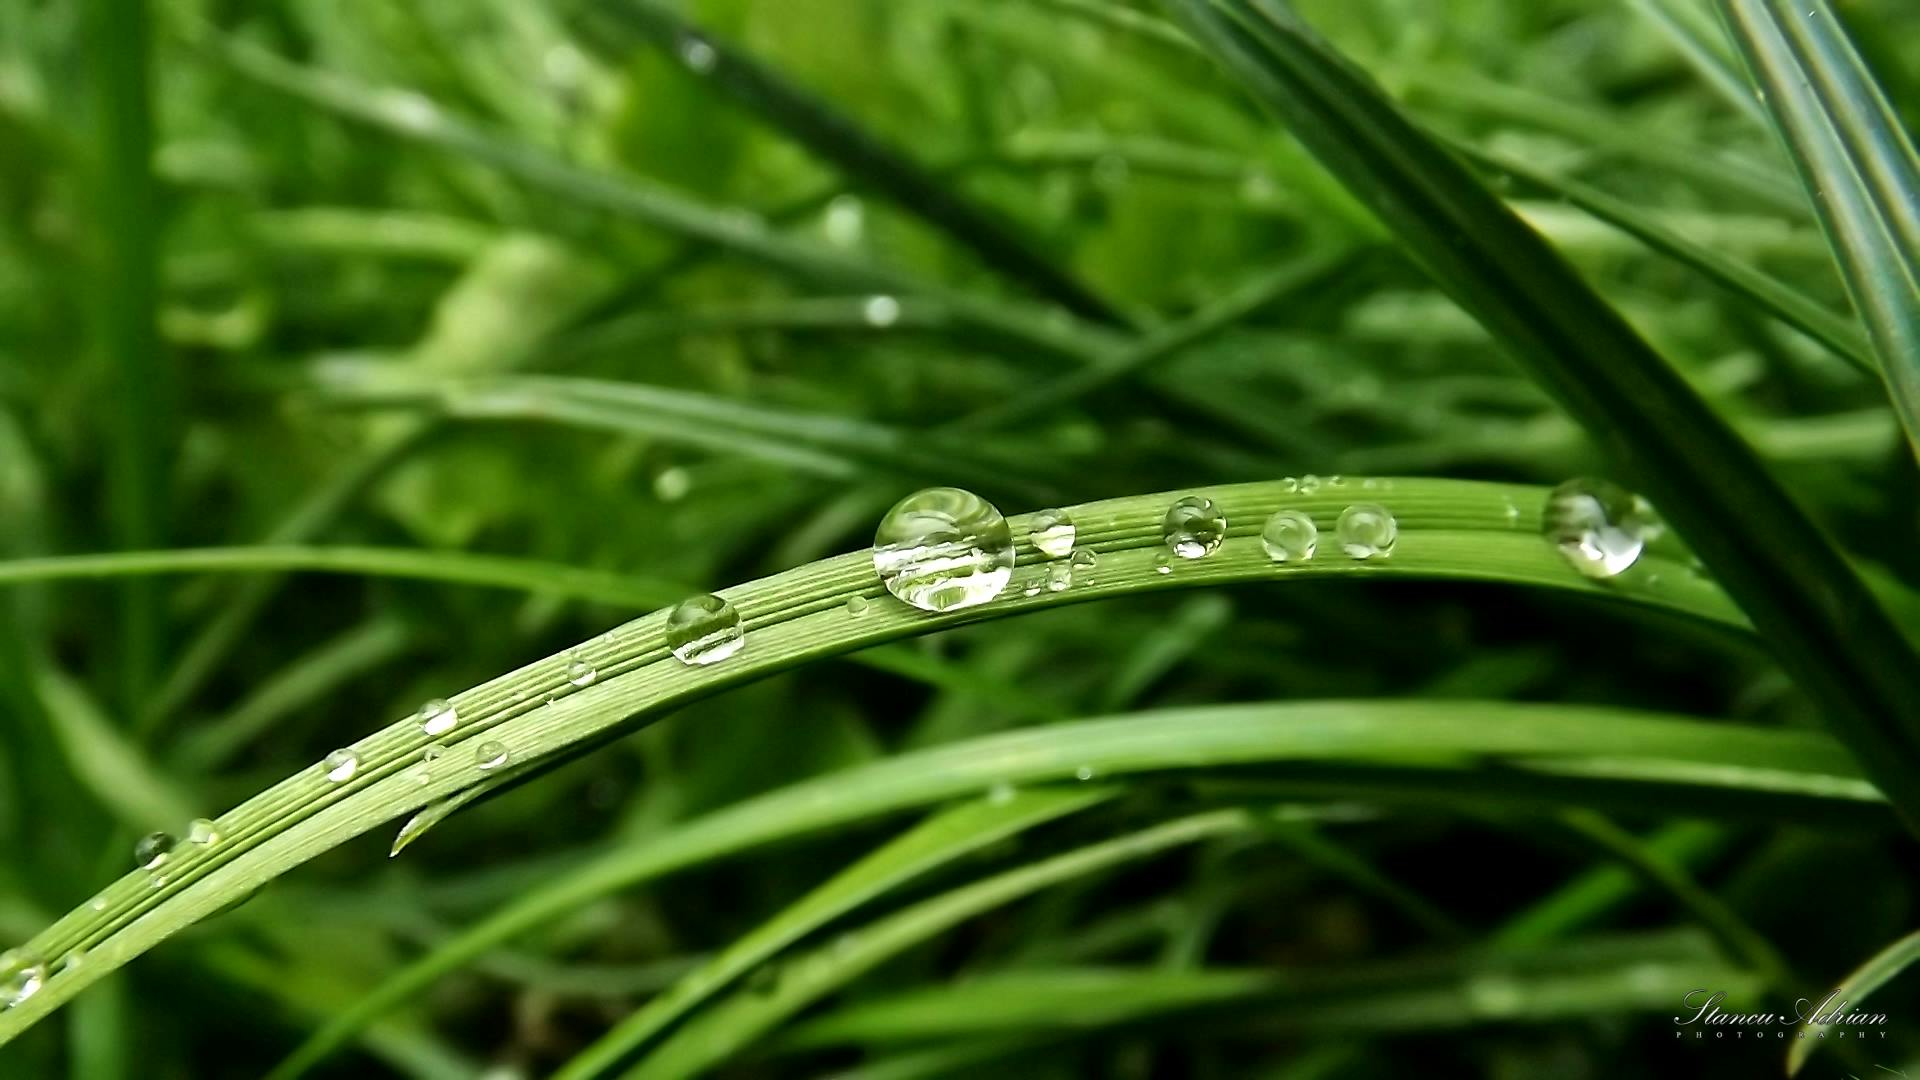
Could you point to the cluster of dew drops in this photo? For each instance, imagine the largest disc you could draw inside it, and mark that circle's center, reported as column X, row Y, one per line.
column 944, row 549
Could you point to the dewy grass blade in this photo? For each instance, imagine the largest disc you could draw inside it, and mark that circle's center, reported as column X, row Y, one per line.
column 866, row 160
column 1858, row 166
column 947, row 836
column 1827, row 629
column 1447, row 529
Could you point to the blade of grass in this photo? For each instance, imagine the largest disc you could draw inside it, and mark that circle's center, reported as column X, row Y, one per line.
column 1827, row 629
column 862, row 156
column 127, row 216
column 940, row 839
column 1691, row 30
column 1880, row 969
column 1857, row 165
column 1447, row 529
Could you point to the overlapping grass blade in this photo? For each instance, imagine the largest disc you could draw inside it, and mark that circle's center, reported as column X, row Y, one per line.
column 1879, row 970
column 1691, row 30
column 1825, row 626
column 1858, row 166
column 865, row 159
column 940, row 839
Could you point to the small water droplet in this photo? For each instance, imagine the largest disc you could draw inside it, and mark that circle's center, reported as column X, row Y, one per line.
column 580, row 671
column 1032, row 589
column 942, row 549
column 1084, row 772
column 203, row 831
column 341, row 765
column 1289, row 485
column 1083, row 559
column 880, row 312
column 22, row 974
column 1193, row 527
column 704, row 629
column 857, row 605
column 152, row 850
column 1367, row 531
column 672, row 484
column 1052, row 532
column 846, row 220
column 1162, row 562
column 431, row 753
column 491, row 755
column 1309, row 484
column 1001, row 793
column 1599, row 526
column 697, row 54
column 437, row 717
column 99, row 903
column 1059, row 577
column 71, row 961
column 1290, row 536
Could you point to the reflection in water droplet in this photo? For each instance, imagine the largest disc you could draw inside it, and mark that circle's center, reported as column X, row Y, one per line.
column 21, row 975
column 580, row 671
column 437, row 717
column 1367, row 531
column 1290, row 536
column 341, row 765
column 942, row 549
column 151, row 852
column 490, row 755
column 1599, row 527
column 1193, row 527
column 203, row 831
column 1052, row 532
column 704, row 629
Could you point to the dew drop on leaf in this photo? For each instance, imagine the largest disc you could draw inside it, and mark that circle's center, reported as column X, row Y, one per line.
column 1193, row 527
column 942, row 549
column 704, row 629
column 1052, row 533
column 1367, row 531
column 1599, row 527
column 1290, row 536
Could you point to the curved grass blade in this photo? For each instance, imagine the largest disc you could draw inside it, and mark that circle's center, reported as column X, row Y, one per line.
column 1839, row 334
column 865, row 159
column 1879, row 970
column 1827, row 629
column 1581, row 978
column 1786, row 769
column 718, row 1033
column 1858, row 166
column 1691, row 30
column 940, row 839
column 1447, row 529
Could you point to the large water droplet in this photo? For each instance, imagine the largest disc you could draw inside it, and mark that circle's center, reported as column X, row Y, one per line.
column 1290, row 536
column 1600, row 527
column 942, row 549
column 580, row 670
column 704, row 629
column 1052, row 532
column 22, row 974
column 491, row 755
column 341, row 765
column 1367, row 531
column 437, row 717
column 1193, row 527
column 203, row 831
column 151, row 852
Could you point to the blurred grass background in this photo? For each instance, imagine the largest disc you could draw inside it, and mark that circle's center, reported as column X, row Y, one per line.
column 247, row 302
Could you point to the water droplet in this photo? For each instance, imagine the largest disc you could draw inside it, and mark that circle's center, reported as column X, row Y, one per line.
column 1084, row 559
column 857, row 605
column 437, row 717
column 71, row 961
column 1084, row 772
column 152, row 850
column 341, row 765
column 1052, row 532
column 99, row 903
column 672, row 484
column 22, row 974
column 880, row 312
column 1193, row 527
column 1059, row 577
column 1001, row 793
column 203, row 831
column 704, row 629
column 1162, row 562
column 697, row 54
column 943, row 549
column 1309, row 484
column 432, row 753
column 580, row 671
column 1289, row 486
column 1367, row 531
column 1032, row 589
column 1290, row 536
column 846, row 220
column 490, row 755
column 1600, row 527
